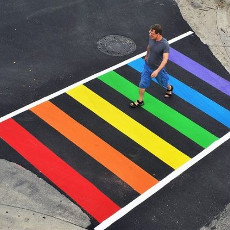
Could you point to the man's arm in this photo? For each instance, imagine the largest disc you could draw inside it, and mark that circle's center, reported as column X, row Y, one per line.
column 147, row 54
column 162, row 65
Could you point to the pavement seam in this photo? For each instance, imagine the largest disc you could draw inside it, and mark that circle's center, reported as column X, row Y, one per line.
column 17, row 207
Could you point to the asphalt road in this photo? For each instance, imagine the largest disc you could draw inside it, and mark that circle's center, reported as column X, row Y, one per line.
column 50, row 45
column 47, row 46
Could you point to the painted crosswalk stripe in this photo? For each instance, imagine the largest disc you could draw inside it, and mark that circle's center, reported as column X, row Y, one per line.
column 55, row 169
column 193, row 97
column 200, row 71
column 137, row 132
column 117, row 163
column 161, row 110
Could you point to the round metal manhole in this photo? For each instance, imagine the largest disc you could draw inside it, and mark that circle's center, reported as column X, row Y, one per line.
column 116, row 45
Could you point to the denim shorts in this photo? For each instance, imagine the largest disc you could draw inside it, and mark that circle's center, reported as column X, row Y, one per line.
column 162, row 78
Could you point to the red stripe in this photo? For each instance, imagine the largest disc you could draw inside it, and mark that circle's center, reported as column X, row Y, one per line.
column 59, row 172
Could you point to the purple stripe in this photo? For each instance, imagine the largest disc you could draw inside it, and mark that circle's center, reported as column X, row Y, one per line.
column 200, row 71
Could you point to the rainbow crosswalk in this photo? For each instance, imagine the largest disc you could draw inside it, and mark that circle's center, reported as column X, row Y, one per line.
column 88, row 135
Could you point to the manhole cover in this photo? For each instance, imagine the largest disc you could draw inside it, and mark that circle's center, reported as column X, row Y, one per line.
column 116, row 45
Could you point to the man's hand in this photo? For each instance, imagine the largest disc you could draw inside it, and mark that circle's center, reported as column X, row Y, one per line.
column 154, row 73
column 162, row 65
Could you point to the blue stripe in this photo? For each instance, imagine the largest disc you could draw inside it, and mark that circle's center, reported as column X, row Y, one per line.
column 193, row 97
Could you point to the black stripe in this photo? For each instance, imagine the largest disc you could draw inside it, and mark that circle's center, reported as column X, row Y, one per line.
column 198, row 84
column 151, row 122
column 192, row 48
column 177, row 103
column 112, row 136
column 102, row 178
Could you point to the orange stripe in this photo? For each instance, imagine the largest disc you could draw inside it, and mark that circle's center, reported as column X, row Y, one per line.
column 117, row 163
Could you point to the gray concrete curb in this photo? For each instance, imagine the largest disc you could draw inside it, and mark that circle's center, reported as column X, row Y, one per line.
column 220, row 222
column 223, row 25
column 210, row 21
column 28, row 202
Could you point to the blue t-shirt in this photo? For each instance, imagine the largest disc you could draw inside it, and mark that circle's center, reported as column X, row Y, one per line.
column 157, row 48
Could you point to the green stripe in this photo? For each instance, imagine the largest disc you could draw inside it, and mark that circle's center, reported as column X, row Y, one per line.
column 170, row 116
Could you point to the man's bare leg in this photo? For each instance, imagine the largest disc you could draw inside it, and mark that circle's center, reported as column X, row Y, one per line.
column 139, row 102
column 141, row 94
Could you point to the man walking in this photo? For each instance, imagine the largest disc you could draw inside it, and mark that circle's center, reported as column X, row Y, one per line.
column 155, row 61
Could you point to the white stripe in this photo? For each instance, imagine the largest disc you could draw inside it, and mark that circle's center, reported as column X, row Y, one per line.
column 180, row 37
column 51, row 96
column 106, row 223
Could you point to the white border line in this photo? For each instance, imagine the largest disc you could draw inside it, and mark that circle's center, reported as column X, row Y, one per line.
column 51, row 96
column 116, row 216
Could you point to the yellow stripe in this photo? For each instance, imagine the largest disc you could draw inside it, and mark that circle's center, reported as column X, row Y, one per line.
column 134, row 130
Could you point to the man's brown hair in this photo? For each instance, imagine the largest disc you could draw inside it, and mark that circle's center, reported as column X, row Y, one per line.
column 157, row 28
